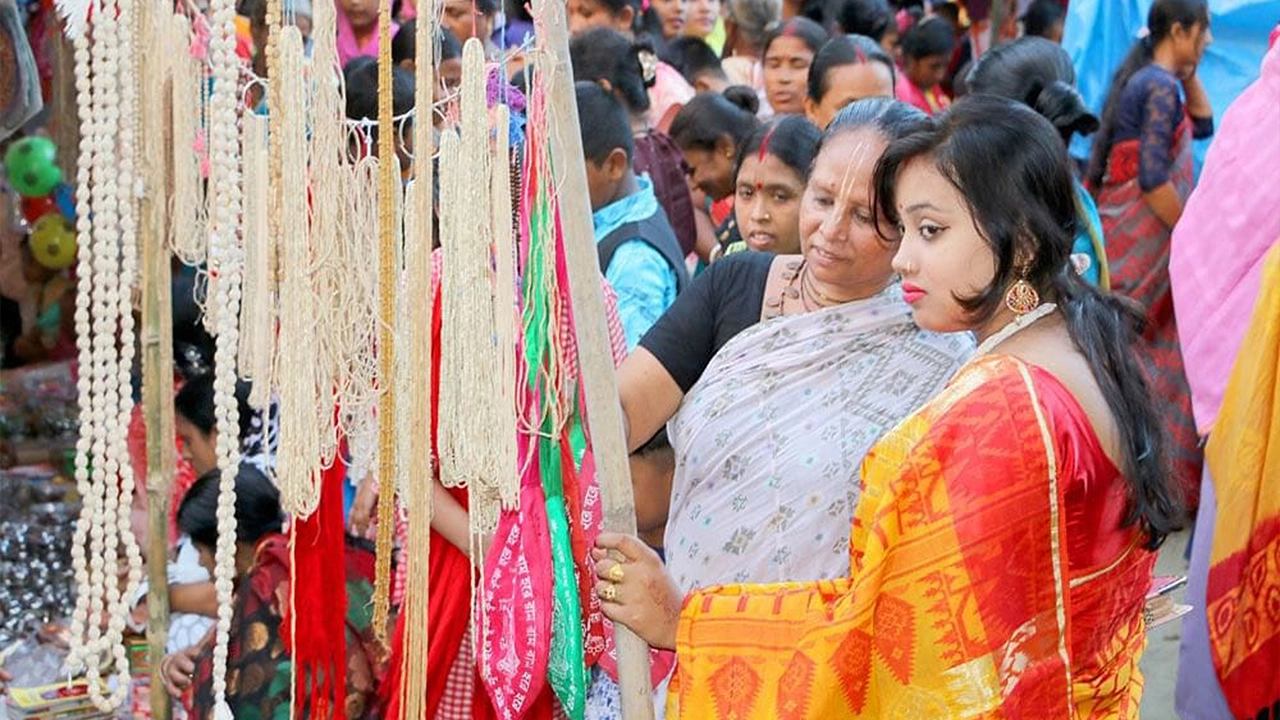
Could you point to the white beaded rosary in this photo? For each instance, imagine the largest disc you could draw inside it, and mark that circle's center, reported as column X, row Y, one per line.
column 225, row 265
column 106, row 225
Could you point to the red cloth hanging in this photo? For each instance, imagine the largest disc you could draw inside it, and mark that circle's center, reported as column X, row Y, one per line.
column 319, row 603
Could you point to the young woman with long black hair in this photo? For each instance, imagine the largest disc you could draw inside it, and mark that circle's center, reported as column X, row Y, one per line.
column 1047, row 448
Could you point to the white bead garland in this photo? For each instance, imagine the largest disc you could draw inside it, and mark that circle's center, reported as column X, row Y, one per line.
column 106, row 225
column 224, row 270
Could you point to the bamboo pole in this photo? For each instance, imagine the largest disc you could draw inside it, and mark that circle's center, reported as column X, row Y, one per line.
column 156, row 97
column 599, row 383
column 157, row 398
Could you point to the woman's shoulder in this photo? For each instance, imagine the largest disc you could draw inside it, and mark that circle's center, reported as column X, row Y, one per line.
column 740, row 270
column 1149, row 79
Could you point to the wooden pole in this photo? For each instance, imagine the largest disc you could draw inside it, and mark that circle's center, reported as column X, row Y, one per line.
column 157, row 398
column 156, row 96
column 599, row 383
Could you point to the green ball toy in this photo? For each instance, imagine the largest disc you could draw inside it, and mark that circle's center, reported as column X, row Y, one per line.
column 31, row 166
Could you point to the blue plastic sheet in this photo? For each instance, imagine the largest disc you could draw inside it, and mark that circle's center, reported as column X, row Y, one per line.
column 1099, row 33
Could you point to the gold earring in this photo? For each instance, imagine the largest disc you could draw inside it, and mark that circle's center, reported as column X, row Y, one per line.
column 1021, row 298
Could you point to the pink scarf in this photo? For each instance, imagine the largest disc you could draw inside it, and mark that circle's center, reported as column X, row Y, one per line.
column 350, row 48
column 1222, row 239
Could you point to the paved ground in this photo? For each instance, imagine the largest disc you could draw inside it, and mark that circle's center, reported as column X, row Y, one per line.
column 1160, row 663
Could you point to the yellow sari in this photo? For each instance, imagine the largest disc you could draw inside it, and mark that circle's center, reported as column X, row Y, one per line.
column 1243, row 602
column 989, row 577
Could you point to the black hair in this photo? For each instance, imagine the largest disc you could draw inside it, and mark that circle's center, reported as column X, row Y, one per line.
column 1024, row 208
column 194, row 402
column 404, row 44
column 258, row 511
column 450, row 45
column 603, row 121
column 692, row 57
column 486, row 7
column 361, row 75
column 948, row 11
column 1164, row 14
column 807, row 31
column 790, row 138
column 890, row 117
column 864, row 17
column 931, row 36
column 606, row 54
column 708, row 117
column 1037, row 72
column 845, row 50
column 615, row 8
column 255, row 11
column 1041, row 16
column 518, row 10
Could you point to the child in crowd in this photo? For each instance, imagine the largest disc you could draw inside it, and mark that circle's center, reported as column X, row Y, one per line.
column 362, row 106
column 698, row 63
column 638, row 251
column 1046, row 19
column 667, row 90
column 926, row 53
column 617, row 64
column 664, row 19
column 468, row 19
column 404, row 53
column 702, row 20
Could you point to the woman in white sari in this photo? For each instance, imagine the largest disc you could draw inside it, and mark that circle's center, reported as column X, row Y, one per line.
column 777, row 373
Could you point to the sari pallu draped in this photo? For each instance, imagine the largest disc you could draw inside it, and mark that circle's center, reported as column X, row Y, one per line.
column 989, row 578
column 1243, row 594
column 770, row 439
column 1138, row 244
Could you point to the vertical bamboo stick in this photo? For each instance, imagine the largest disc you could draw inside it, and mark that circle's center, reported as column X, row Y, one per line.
column 599, row 383
column 157, row 398
column 388, row 274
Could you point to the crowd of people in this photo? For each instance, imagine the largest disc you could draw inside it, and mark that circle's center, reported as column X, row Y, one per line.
column 910, row 406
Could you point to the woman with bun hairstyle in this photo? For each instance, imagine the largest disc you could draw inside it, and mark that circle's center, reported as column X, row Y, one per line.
column 614, row 61
column 1141, row 173
column 847, row 68
column 788, row 53
column 1039, row 72
column 709, row 130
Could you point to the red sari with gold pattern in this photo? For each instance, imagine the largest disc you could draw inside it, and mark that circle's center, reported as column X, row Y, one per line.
column 990, row 577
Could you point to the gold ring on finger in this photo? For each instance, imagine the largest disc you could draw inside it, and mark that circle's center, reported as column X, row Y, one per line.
column 609, row 593
column 615, row 573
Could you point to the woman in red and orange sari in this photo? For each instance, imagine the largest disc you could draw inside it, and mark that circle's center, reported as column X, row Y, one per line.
column 1003, row 544
column 1141, row 175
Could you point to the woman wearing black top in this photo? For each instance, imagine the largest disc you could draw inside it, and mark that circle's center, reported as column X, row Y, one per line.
column 803, row 395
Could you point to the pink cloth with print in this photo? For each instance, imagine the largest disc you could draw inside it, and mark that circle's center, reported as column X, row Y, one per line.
column 349, row 47
column 669, row 93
